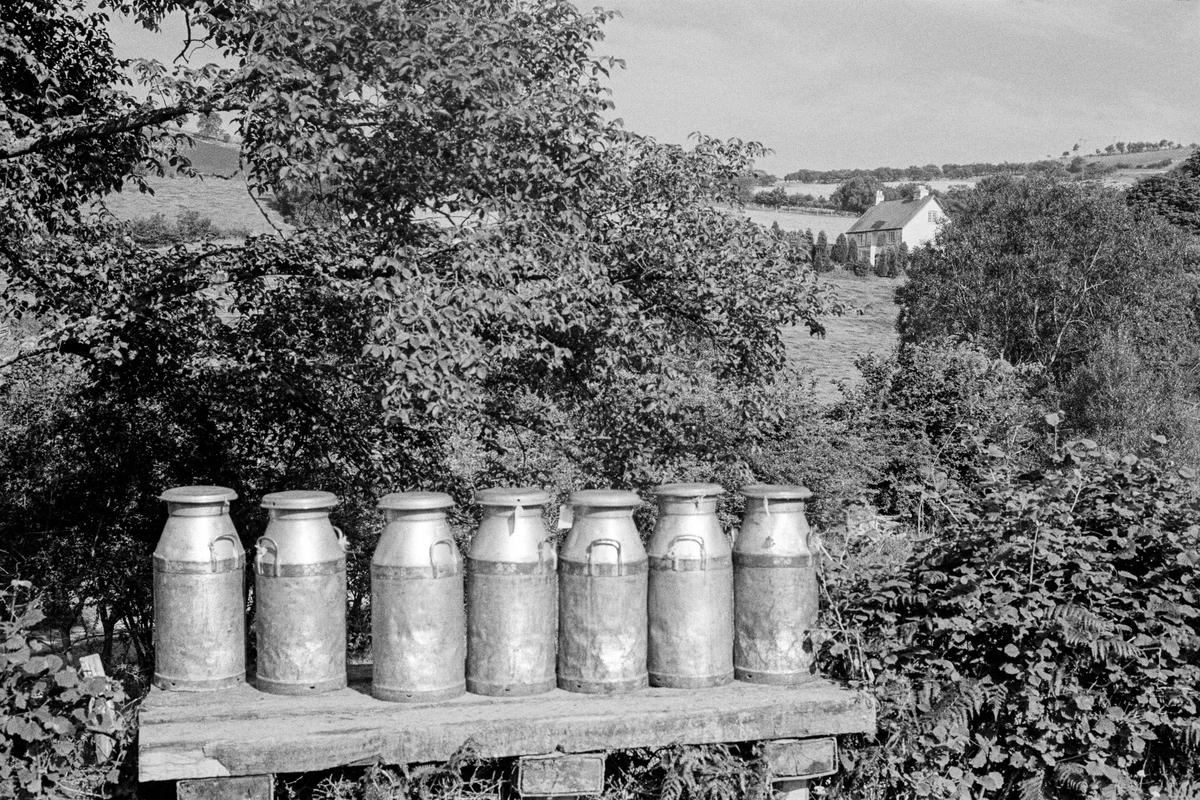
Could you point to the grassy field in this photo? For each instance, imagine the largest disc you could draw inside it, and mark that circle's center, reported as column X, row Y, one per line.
column 831, row 359
column 224, row 201
column 832, row 224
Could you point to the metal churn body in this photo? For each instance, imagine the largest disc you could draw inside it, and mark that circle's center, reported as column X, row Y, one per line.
column 300, row 590
column 512, row 596
column 199, row 593
column 602, row 596
column 690, row 590
column 775, row 587
column 418, row 622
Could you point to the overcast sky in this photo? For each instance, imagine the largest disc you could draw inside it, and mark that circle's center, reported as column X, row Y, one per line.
column 841, row 83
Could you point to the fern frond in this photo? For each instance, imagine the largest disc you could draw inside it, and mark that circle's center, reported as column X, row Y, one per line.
column 1032, row 787
column 1181, row 789
column 958, row 705
column 672, row 787
column 1071, row 776
column 1081, row 621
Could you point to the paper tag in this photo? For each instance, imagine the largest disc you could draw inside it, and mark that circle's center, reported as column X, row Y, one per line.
column 566, row 516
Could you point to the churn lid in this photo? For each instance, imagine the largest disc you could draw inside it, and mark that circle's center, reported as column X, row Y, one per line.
column 415, row 501
column 299, row 500
column 776, row 491
column 689, row 490
column 510, row 496
column 605, row 498
column 200, row 495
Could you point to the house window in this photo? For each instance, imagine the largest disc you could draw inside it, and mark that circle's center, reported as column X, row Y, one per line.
column 880, row 239
column 933, row 216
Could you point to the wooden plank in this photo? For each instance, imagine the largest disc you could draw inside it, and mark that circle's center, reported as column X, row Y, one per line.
column 242, row 731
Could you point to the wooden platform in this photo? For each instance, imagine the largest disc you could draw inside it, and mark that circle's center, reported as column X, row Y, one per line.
column 246, row 732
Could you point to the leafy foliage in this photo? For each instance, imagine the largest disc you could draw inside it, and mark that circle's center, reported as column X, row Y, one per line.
column 1175, row 195
column 485, row 267
column 1042, row 636
column 1065, row 277
column 63, row 734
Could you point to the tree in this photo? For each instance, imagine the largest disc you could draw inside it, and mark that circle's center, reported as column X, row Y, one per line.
column 495, row 282
column 856, row 194
column 840, row 249
column 1064, row 278
column 821, row 261
column 1174, row 196
column 210, row 125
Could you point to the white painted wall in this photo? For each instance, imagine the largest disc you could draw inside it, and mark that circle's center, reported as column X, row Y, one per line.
column 922, row 228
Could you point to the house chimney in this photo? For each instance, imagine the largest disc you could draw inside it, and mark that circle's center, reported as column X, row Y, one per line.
column 878, row 196
column 922, row 191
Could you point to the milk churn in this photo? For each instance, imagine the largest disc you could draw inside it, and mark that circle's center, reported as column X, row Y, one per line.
column 774, row 587
column 691, row 590
column 199, row 593
column 602, row 596
column 300, row 585
column 418, row 622
column 512, row 596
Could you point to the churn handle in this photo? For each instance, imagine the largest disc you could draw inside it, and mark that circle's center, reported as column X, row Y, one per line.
column 542, row 547
column 610, row 543
column 433, row 564
column 687, row 537
column 342, row 541
column 260, row 549
column 212, row 546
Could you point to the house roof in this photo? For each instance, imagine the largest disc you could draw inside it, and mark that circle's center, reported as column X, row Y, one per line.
column 889, row 215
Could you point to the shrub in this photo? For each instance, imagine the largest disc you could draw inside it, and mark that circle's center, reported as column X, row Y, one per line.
column 917, row 405
column 189, row 226
column 63, row 734
column 1046, row 273
column 1042, row 638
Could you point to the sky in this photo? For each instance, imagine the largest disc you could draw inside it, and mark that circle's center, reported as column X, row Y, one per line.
column 864, row 83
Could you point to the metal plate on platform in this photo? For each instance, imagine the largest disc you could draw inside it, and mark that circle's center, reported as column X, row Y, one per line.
column 791, row 759
column 561, row 775
column 245, row 787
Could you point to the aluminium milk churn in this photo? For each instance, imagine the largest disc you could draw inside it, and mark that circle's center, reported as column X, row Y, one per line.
column 300, row 586
column 199, row 593
column 602, row 596
column 690, row 591
column 418, row 622
column 512, row 596
column 775, row 587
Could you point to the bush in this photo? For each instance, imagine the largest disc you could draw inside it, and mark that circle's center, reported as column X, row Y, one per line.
column 1050, row 274
column 1042, row 637
column 63, row 734
column 916, row 405
column 189, row 226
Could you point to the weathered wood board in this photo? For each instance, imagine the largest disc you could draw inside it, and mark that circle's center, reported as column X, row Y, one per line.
column 244, row 732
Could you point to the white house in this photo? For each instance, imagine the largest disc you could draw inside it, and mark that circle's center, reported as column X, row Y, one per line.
column 890, row 222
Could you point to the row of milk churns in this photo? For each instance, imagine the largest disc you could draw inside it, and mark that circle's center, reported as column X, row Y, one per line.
column 601, row 614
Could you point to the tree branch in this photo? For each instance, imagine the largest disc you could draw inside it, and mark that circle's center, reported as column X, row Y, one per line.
column 89, row 130
column 8, row 362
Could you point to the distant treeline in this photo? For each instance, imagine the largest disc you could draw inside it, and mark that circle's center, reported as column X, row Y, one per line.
column 927, row 172
column 933, row 171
